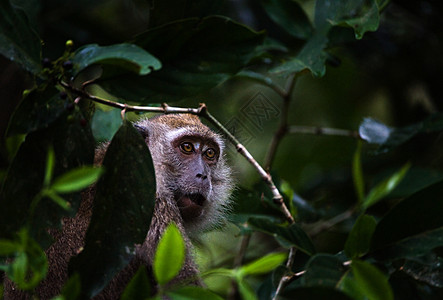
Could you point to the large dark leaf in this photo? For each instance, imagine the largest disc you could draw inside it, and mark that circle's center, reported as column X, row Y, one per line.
column 73, row 145
column 196, row 54
column 37, row 110
column 18, row 40
column 290, row 16
column 123, row 208
column 411, row 228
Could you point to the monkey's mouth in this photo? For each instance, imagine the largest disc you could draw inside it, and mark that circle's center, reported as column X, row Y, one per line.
column 190, row 205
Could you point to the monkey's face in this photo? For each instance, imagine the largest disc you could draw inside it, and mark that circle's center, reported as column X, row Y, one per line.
column 196, row 161
column 190, row 168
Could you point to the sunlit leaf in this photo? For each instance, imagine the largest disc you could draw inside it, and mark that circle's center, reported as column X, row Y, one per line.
column 371, row 281
column 263, row 265
column 385, row 187
column 170, row 255
column 76, row 180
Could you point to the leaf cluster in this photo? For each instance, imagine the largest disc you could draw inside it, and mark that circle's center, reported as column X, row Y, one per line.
column 382, row 220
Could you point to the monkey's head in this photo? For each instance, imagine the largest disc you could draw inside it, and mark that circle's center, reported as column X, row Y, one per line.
column 190, row 168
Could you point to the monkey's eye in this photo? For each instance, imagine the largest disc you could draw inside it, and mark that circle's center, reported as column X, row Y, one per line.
column 187, row 147
column 210, row 153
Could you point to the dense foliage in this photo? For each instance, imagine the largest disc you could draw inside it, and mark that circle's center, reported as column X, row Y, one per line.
column 366, row 201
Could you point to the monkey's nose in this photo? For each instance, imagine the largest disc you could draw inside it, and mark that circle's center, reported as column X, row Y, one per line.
column 201, row 176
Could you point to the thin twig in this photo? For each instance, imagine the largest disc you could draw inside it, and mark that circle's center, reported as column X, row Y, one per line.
column 323, row 131
column 201, row 111
column 325, row 225
column 283, row 127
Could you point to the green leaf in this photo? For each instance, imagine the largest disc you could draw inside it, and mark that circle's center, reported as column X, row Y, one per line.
column 263, row 265
column 50, row 164
column 323, row 270
column 288, row 236
column 371, row 281
column 359, row 238
column 246, row 290
column 76, row 180
column 385, row 187
column 312, row 57
column 123, row 208
column 126, row 56
column 139, row 287
column 18, row 40
column 360, row 15
column 7, row 247
column 105, row 124
column 71, row 289
column 412, row 228
column 357, row 174
column 73, row 146
column 290, row 16
column 191, row 293
column 197, row 54
column 30, row 264
column 37, row 110
column 169, row 256
column 57, row 199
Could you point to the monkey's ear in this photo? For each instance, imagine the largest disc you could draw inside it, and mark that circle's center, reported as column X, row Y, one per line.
column 142, row 130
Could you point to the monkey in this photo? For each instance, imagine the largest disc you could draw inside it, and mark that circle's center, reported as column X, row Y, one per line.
column 193, row 188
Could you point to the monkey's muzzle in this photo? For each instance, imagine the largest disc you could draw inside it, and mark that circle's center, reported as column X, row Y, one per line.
column 191, row 206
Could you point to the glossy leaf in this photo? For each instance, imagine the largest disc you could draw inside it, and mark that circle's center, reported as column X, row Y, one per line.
column 197, row 54
column 263, row 265
column 191, row 293
column 290, row 16
column 139, row 287
column 288, row 236
column 76, row 179
column 18, row 40
column 38, row 109
column 169, row 256
column 323, row 270
column 371, row 281
column 126, row 56
column 385, row 187
column 123, row 208
column 359, row 238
